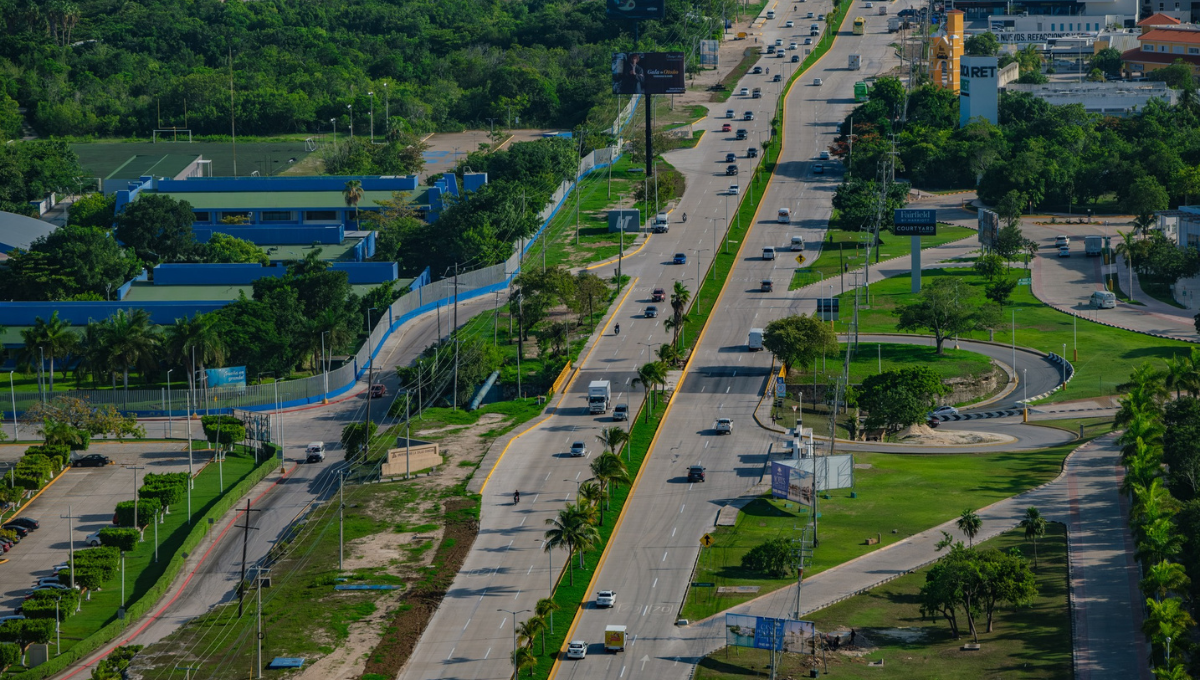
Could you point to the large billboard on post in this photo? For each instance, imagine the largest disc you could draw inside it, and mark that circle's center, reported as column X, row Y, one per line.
column 791, row 482
column 762, row 632
column 648, row 73
column 919, row 222
column 637, row 10
column 708, row 53
column 989, row 228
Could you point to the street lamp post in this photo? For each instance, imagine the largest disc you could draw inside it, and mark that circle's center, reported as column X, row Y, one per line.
column 1024, row 395
column 13, row 392
column 334, row 121
column 372, row 115
column 135, row 468
column 350, row 108
column 387, row 111
column 170, row 422
column 514, row 615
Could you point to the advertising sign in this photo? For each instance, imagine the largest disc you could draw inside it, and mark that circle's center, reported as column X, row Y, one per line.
column 761, row 632
column 708, row 53
column 637, row 9
column 921, row 222
column 989, row 228
column 627, row 220
column 979, row 89
column 233, row 376
column 647, row 73
column 827, row 309
column 791, row 482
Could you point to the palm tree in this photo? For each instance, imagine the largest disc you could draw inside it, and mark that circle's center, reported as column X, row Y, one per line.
column 591, row 493
column 51, row 339
column 544, row 609
column 529, row 629
column 1166, row 619
column 1177, row 375
column 57, row 432
column 327, row 328
column 1143, row 430
column 1125, row 249
column 611, row 438
column 1164, row 577
column 572, row 529
column 353, row 193
column 650, row 376
column 1141, row 469
column 133, row 342
column 680, row 296
column 970, row 524
column 92, row 352
column 197, row 338
column 1158, row 541
column 1176, row 672
column 668, row 353
column 1035, row 528
column 1151, row 382
column 1151, row 502
column 609, row 469
column 522, row 658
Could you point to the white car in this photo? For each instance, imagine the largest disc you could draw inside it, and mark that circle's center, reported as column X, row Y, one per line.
column 314, row 452
column 733, row 189
column 606, row 598
column 792, row 46
column 578, row 450
column 817, row 82
column 943, row 411
column 790, row 24
column 1064, row 251
column 576, row 649
column 808, row 41
column 93, row 539
column 724, row 426
column 744, row 92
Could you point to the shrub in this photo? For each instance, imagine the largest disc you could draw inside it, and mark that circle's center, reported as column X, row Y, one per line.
column 225, row 430
column 772, row 558
column 27, row 631
column 113, row 666
column 58, row 454
column 41, row 605
column 121, row 538
column 168, row 488
column 146, row 510
column 9, row 654
column 26, row 480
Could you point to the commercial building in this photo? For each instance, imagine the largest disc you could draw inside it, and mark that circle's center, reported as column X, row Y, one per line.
column 1118, row 98
column 1040, row 28
column 1162, row 46
column 946, row 51
column 1091, row 11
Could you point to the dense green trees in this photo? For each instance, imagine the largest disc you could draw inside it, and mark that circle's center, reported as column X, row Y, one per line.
column 797, row 340
column 897, row 399
column 158, row 228
column 67, row 263
column 29, row 171
column 946, row 307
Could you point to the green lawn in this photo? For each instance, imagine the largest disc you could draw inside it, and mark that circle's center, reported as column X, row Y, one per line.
column 1092, row 427
column 1029, row 642
column 1106, row 355
column 595, row 200
column 872, row 357
column 893, row 495
column 848, row 248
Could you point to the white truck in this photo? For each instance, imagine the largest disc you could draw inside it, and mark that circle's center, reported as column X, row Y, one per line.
column 614, row 638
column 893, row 24
column 855, row 62
column 754, row 344
column 599, row 394
column 1093, row 246
column 661, row 225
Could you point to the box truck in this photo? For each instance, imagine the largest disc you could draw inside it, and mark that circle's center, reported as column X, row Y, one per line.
column 855, row 62
column 614, row 638
column 599, row 394
column 893, row 24
column 1093, row 246
column 754, row 344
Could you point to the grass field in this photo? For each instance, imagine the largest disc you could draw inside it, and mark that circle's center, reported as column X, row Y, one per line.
column 1106, row 355
column 595, row 200
column 100, row 159
column 1029, row 642
column 849, row 248
column 1092, row 427
column 893, row 495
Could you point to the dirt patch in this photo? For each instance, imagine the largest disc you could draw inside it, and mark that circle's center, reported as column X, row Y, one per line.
column 927, row 436
column 418, row 605
column 388, row 549
column 346, row 661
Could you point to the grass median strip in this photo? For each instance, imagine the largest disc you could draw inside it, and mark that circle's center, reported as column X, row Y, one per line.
column 847, row 250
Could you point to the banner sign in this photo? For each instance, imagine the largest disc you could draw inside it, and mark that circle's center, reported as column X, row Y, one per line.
column 762, row 632
column 234, row 376
column 708, row 53
column 791, row 482
column 648, row 73
column 624, row 220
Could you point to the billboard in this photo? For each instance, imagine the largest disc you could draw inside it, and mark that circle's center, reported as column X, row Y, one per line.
column 918, row 222
column 762, row 632
column 637, row 10
column 827, row 309
column 793, row 479
column 647, row 73
column 791, row 482
column 989, row 228
column 979, row 89
column 234, row 376
column 624, row 220
column 708, row 53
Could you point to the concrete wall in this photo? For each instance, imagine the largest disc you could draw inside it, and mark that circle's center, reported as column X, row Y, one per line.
column 276, row 236
column 368, row 272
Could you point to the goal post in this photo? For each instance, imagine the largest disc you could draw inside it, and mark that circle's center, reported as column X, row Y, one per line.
column 171, row 134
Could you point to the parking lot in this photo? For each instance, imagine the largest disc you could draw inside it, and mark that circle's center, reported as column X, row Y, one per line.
column 92, row 495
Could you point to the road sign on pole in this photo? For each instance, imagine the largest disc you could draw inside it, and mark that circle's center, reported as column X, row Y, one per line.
column 706, row 540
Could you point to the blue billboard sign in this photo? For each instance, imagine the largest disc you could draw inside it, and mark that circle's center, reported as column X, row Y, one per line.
column 233, row 376
column 915, row 222
column 763, row 632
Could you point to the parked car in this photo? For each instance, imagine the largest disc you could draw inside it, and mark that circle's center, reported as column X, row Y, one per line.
column 576, row 649
column 21, row 531
column 28, row 523
column 651, row 312
column 695, row 473
column 12, row 617
column 724, row 426
column 680, row 258
column 621, row 412
column 92, row 460
column 658, row 295
column 93, row 539
column 314, row 452
column 578, row 450
column 606, row 598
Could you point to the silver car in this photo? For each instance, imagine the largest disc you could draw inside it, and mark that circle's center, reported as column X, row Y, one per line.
column 578, row 450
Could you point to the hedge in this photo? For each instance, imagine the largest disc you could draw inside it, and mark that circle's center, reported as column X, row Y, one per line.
column 26, row 631
column 168, row 489
column 223, row 429
column 147, row 508
column 41, row 605
column 121, row 538
column 9, row 654
column 152, row 596
column 59, row 453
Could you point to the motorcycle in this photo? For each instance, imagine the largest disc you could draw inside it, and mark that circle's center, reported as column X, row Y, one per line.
column 617, row 329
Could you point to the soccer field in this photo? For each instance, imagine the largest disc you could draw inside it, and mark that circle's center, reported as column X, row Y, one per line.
column 100, row 159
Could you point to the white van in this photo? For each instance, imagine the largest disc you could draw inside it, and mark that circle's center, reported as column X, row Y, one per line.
column 785, row 215
column 755, row 342
column 1103, row 299
column 797, row 243
column 314, row 452
column 770, row 14
column 768, row 253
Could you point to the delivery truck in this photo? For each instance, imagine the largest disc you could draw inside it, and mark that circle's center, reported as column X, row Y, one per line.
column 893, row 24
column 614, row 638
column 599, row 394
column 855, row 62
column 754, row 343
column 1093, row 246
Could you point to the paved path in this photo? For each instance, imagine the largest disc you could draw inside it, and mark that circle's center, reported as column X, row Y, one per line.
column 1107, row 635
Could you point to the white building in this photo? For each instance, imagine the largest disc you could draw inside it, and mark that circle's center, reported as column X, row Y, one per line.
column 1109, row 99
column 1040, row 28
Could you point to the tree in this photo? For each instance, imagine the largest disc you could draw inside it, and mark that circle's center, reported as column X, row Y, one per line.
column 530, row 628
column 1164, row 619
column 523, row 658
column 593, row 495
column 649, row 376
column 970, row 524
column 1181, row 447
column 990, row 266
column 1126, row 249
column 1005, row 579
column 798, row 339
column 984, row 44
column 1163, row 578
column 571, row 530
column 589, row 289
column 680, row 296
column 544, row 609
column 897, row 399
column 1035, row 527
column 1177, row 76
column 1158, row 541
column 133, row 342
column 158, row 228
column 1010, row 207
column 353, row 193
column 356, row 439
column 59, row 433
column 609, row 469
column 1108, row 61
column 52, row 339
column 68, row 262
column 223, row 248
column 195, row 341
column 945, row 307
column 772, row 558
column 1143, row 199
column 1000, row 290
column 93, row 210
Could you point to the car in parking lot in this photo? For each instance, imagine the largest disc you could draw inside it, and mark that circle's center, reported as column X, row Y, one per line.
column 578, row 450
column 789, row 24
column 621, row 412
column 695, row 473
column 651, row 312
column 576, row 649
column 27, row 522
column 20, row 531
column 658, row 295
column 818, row 169
column 48, row 580
column 93, row 539
column 606, row 598
column 726, row 127
column 680, row 258
column 92, row 460
column 943, row 411
column 724, row 426
column 731, row 170
column 47, row 586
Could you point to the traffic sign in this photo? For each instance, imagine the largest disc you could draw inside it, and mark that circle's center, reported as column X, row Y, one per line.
column 1025, row 281
column 706, row 540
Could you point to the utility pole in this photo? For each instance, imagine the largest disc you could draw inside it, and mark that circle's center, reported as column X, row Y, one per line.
column 455, row 337
column 245, row 541
column 70, row 517
column 341, row 515
column 258, row 613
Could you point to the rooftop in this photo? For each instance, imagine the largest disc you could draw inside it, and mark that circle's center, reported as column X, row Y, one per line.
column 19, row 231
column 289, row 200
column 158, row 165
column 1159, row 20
column 1171, row 35
column 335, row 252
column 144, row 291
column 1144, row 57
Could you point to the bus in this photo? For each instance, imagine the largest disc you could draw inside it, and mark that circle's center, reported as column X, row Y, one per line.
column 859, row 25
column 860, row 91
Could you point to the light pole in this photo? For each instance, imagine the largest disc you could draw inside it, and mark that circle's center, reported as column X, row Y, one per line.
column 334, row 121
column 135, row 468
column 324, row 366
column 170, row 422
column 1024, row 396
column 387, row 112
column 12, row 391
column 350, row 108
column 370, row 375
column 372, row 115
column 1064, row 366
column 514, row 615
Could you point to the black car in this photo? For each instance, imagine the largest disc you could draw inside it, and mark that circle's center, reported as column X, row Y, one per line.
column 730, row 157
column 776, row 78
column 21, row 531
column 92, row 460
column 752, row 152
column 731, row 170
column 695, row 473
column 795, row 59
column 651, row 312
column 26, row 522
column 741, row 134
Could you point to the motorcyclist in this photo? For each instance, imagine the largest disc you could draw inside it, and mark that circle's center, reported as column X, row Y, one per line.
column 516, row 497
column 685, row 217
column 617, row 329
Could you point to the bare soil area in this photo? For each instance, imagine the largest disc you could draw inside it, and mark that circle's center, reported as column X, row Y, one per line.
column 926, row 436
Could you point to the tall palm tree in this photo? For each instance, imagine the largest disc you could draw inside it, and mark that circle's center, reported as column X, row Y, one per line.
column 650, row 376
column 197, row 338
column 52, row 339
column 529, row 629
column 328, row 328
column 1177, row 671
column 1158, row 541
column 1035, row 528
column 92, row 352
column 522, row 658
column 353, row 193
column 1151, row 503
column 1141, row 469
column 593, row 494
column 1143, row 432
column 571, row 529
column 1177, row 375
column 1125, row 249
column 611, row 438
column 610, row 469
column 680, row 296
column 1166, row 619
column 1164, row 577
column 544, row 609
column 133, row 342
column 668, row 353
column 970, row 524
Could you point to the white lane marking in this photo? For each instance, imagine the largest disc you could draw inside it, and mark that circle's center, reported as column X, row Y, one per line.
column 645, row 609
column 508, row 546
column 451, row 652
column 622, row 672
column 682, row 507
column 690, row 487
column 664, row 559
column 547, row 477
column 530, row 570
column 706, row 444
column 577, row 475
column 673, row 531
column 469, row 620
column 735, row 374
column 727, row 389
column 654, row 584
column 500, row 626
column 518, row 593
column 703, row 388
column 522, row 521
column 488, row 653
column 535, row 496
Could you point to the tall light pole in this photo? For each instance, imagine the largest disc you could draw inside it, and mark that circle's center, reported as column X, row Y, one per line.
column 372, row 115
column 170, row 422
column 350, row 108
column 135, row 468
column 514, row 615
column 387, row 112
column 13, row 392
column 370, row 375
column 1024, row 396
column 334, row 121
